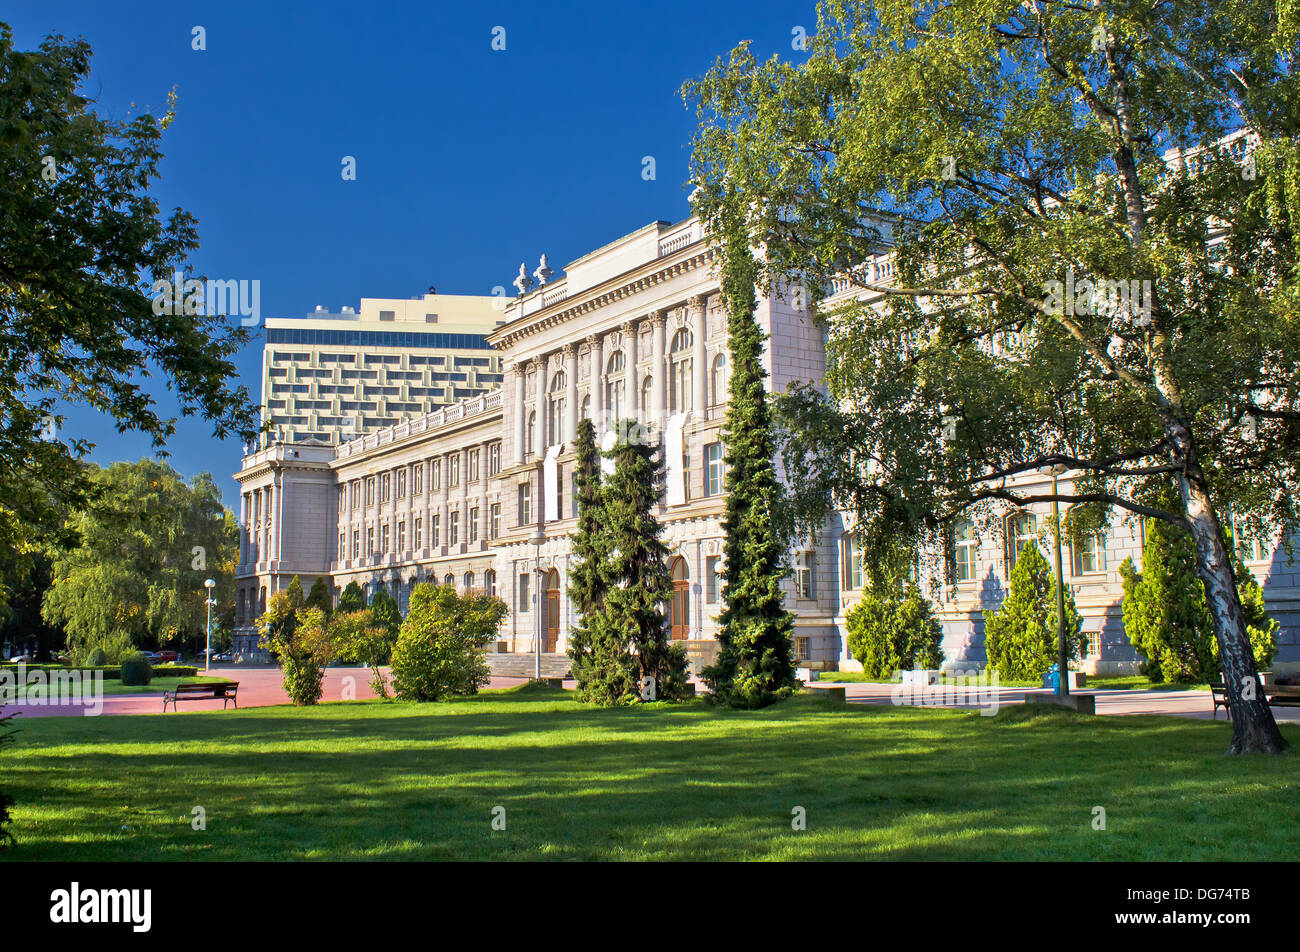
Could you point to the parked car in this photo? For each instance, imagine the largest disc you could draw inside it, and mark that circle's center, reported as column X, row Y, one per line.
column 169, row 657
column 151, row 656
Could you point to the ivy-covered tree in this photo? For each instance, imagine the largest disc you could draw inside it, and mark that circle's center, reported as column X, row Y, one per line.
column 755, row 664
column 81, row 242
column 602, row 662
column 1055, row 234
column 351, row 599
column 1020, row 637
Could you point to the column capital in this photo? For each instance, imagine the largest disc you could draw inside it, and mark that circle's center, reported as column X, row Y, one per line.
column 697, row 302
column 629, row 328
column 592, row 340
column 569, row 350
column 659, row 318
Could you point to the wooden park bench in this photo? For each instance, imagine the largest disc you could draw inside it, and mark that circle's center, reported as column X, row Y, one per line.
column 225, row 691
column 1277, row 695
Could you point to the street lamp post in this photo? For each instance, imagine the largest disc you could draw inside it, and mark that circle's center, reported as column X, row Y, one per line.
column 210, row 584
column 1062, row 657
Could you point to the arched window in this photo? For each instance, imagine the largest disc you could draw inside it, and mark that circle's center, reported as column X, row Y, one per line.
column 469, row 581
column 681, row 607
column 719, row 381
column 529, row 430
column 680, row 370
column 615, row 387
column 449, row 579
column 586, row 407
column 490, row 582
column 555, row 418
column 646, row 385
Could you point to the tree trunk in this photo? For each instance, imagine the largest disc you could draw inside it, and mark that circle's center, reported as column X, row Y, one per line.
column 1253, row 728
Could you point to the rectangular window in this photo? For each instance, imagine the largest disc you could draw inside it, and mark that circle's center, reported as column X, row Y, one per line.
column 343, row 498
column 712, row 579
column 850, row 564
column 686, row 475
column 453, row 470
column 417, row 479
column 1094, row 643
column 401, row 536
column 964, row 549
column 436, row 476
column 494, row 458
column 713, row 468
column 356, row 543
column 1089, row 554
column 343, row 546
column 370, row 491
column 383, row 538
column 494, row 520
column 356, row 493
column 419, row 536
column 370, row 541
column 473, row 524
column 525, row 594
column 803, row 575
column 401, row 483
column 472, row 466
column 435, row 536
column 525, row 503
column 453, row 527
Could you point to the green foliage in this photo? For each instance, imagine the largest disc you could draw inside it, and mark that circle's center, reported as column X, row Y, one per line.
column 320, row 595
column 352, row 599
column 384, row 609
column 299, row 638
column 602, row 661
column 110, row 649
column 440, row 648
column 893, row 628
column 755, row 666
column 1166, row 617
column 83, row 238
column 136, row 670
column 148, row 542
column 1020, row 638
column 97, row 657
column 357, row 636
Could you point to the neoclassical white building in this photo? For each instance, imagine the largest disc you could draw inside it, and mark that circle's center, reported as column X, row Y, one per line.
column 480, row 494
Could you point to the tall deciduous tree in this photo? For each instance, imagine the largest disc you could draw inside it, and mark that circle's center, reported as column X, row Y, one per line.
column 602, row 661
column 81, row 243
column 1039, row 279
column 149, row 540
column 755, row 665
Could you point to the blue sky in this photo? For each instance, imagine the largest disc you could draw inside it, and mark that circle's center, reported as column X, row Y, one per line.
column 469, row 160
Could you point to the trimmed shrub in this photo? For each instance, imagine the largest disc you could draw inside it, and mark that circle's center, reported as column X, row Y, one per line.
column 893, row 628
column 97, row 658
column 1020, row 637
column 440, row 648
column 136, row 670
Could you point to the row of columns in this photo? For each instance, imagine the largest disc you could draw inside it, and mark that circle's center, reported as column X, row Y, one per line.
column 257, row 541
column 544, row 367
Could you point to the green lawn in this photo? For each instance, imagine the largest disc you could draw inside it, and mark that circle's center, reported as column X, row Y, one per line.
column 156, row 686
column 374, row 780
column 1136, row 682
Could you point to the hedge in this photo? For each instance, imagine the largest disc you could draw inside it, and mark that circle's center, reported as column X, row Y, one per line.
column 112, row 672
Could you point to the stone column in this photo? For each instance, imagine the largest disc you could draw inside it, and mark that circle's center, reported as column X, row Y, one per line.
column 699, row 357
column 659, row 381
column 632, row 385
column 539, row 435
column 571, row 394
column 243, row 528
column 597, row 345
column 521, row 414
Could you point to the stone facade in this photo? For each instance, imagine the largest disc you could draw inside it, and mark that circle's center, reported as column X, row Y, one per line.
column 481, row 492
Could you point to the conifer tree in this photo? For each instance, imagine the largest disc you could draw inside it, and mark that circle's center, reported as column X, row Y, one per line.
column 319, row 596
column 385, row 612
column 1020, row 638
column 637, row 584
column 602, row 663
column 352, row 599
column 755, row 666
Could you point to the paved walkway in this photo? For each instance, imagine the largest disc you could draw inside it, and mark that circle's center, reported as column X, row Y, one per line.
column 260, row 686
column 1171, row 702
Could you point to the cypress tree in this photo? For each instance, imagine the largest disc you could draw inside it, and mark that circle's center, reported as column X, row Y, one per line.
column 755, row 666
column 637, row 584
column 603, row 665
column 384, row 610
column 1020, row 638
column 319, row 596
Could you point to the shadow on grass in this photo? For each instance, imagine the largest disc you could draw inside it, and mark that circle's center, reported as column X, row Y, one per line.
column 394, row 780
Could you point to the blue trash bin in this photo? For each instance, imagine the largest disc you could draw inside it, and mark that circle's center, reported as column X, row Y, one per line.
column 1054, row 677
